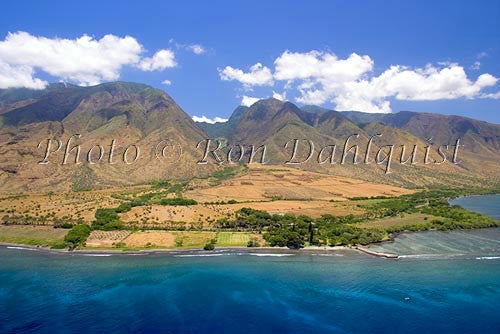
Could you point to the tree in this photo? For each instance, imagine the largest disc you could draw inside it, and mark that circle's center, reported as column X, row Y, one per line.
column 77, row 235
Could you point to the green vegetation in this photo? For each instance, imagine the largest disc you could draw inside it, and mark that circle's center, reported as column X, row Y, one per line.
column 209, row 246
column 426, row 210
column 253, row 243
column 178, row 201
column 107, row 219
column 77, row 236
column 361, row 198
column 227, row 173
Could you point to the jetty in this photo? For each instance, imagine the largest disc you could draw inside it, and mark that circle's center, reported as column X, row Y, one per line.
column 374, row 253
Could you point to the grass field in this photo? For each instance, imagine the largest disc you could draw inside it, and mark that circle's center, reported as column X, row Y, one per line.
column 193, row 239
column 31, row 235
column 405, row 219
column 236, row 239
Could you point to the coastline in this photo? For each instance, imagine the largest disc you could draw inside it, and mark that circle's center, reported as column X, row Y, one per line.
column 360, row 249
column 184, row 251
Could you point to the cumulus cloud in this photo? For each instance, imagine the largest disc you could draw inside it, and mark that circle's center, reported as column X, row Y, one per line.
column 349, row 83
column 247, row 101
column 161, row 60
column 19, row 76
column 83, row 60
column 166, row 82
column 205, row 119
column 257, row 76
column 320, row 65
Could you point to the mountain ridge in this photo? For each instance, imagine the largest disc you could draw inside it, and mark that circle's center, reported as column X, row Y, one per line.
column 138, row 113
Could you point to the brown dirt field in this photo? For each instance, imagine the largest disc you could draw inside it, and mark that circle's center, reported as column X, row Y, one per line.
column 163, row 213
column 308, row 208
column 264, row 183
column 105, row 238
column 150, row 238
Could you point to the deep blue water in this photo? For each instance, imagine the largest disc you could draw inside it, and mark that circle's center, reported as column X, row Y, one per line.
column 446, row 282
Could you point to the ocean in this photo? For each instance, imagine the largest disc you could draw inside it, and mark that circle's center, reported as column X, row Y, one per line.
column 446, row 282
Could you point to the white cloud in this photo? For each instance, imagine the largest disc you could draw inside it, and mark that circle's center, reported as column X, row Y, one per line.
column 476, row 65
column 247, row 101
column 161, row 60
column 205, row 119
column 196, row 49
column 83, row 60
column 320, row 65
column 278, row 96
column 491, row 95
column 321, row 77
column 19, row 76
column 257, row 76
column 166, row 82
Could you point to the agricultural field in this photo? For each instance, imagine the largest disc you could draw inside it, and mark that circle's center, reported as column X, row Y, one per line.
column 106, row 238
column 168, row 239
column 265, row 183
column 278, row 191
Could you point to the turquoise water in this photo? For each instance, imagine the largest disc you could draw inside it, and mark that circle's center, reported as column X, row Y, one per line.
column 446, row 282
column 50, row 293
column 486, row 204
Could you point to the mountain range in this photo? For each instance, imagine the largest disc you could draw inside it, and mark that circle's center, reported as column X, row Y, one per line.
column 131, row 113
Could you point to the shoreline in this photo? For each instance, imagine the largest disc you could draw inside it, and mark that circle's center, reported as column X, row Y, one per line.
column 184, row 251
column 313, row 250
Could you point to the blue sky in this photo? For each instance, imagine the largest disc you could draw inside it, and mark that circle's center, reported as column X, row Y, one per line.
column 377, row 55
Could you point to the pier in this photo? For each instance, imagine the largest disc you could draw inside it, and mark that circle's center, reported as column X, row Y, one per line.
column 374, row 253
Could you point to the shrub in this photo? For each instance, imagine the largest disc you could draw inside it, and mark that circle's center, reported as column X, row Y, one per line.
column 178, row 201
column 253, row 243
column 60, row 223
column 210, row 245
column 77, row 235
